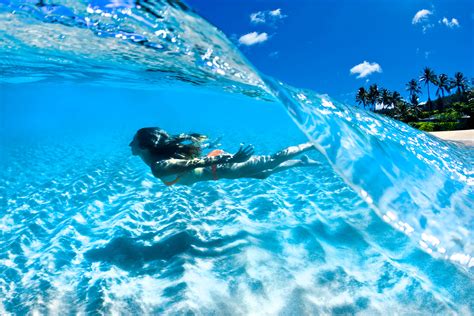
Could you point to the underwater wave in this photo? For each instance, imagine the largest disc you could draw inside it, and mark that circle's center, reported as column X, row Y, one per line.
column 132, row 43
column 108, row 239
column 418, row 183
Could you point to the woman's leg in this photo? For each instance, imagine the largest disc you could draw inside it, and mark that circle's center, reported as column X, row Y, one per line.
column 305, row 161
column 291, row 152
column 257, row 164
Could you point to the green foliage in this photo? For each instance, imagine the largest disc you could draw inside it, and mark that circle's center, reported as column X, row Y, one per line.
column 424, row 114
column 448, row 126
column 453, row 111
column 449, row 116
column 424, row 126
column 460, row 107
column 436, row 126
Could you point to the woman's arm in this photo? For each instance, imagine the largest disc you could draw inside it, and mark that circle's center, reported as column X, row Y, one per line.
column 175, row 166
column 167, row 167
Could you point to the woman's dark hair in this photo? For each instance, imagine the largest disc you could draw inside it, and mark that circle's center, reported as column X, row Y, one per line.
column 164, row 146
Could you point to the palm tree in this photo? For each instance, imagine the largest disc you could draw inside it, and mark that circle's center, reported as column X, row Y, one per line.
column 384, row 97
column 443, row 85
column 401, row 111
column 415, row 105
column 395, row 98
column 459, row 82
column 428, row 76
column 414, row 89
column 373, row 95
column 361, row 96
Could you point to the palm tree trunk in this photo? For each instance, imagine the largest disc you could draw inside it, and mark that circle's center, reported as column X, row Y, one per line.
column 442, row 99
column 429, row 99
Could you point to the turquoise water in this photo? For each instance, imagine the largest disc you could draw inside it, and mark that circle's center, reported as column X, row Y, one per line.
column 382, row 226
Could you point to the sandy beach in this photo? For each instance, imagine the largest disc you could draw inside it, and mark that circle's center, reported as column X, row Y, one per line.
column 464, row 136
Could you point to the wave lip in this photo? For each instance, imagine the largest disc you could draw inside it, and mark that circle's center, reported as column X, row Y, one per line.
column 115, row 42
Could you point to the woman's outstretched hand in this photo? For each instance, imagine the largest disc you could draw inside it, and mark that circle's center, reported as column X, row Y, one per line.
column 242, row 155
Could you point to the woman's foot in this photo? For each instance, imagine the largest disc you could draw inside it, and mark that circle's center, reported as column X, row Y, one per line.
column 306, row 146
column 306, row 161
column 291, row 152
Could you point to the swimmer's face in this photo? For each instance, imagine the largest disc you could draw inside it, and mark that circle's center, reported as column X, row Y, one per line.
column 134, row 147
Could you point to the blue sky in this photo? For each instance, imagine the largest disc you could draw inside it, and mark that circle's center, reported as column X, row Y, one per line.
column 315, row 44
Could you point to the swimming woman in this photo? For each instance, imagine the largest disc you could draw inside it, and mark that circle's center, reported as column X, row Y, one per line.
column 177, row 159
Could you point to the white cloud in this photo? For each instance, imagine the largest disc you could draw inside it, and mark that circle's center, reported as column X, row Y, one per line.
column 253, row 38
column 364, row 69
column 271, row 16
column 421, row 16
column 451, row 24
column 257, row 17
column 276, row 12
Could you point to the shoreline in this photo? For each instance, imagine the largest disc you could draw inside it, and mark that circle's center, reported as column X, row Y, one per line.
column 462, row 136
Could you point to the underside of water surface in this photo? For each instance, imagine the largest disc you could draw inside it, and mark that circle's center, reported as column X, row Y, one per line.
column 383, row 225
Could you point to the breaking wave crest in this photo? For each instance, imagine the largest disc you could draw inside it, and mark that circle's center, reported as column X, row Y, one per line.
column 388, row 226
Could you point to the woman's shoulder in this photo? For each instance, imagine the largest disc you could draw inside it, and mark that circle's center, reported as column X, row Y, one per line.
column 158, row 168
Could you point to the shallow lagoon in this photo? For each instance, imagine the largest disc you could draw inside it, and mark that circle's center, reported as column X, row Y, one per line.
column 86, row 227
column 383, row 226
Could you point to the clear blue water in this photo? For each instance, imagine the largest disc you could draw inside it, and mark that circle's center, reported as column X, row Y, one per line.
column 382, row 226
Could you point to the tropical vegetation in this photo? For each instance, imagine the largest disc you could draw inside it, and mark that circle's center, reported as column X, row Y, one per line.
column 452, row 110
